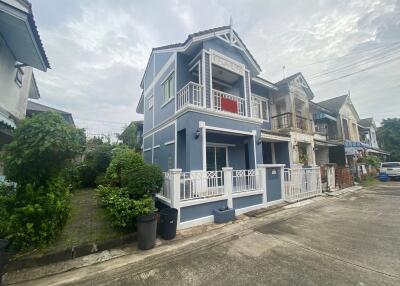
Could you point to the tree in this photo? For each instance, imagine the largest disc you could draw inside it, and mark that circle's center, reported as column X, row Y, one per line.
column 389, row 137
column 41, row 148
column 129, row 136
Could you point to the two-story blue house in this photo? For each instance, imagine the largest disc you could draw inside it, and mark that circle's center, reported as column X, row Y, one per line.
column 204, row 104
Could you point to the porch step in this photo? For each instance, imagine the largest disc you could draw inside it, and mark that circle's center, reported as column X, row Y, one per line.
column 266, row 210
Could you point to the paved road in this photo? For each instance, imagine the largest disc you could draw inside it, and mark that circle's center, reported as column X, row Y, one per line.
column 348, row 240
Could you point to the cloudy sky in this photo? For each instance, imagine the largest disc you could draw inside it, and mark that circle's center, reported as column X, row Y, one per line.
column 98, row 50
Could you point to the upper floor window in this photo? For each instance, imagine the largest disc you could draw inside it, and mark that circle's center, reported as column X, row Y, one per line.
column 168, row 88
column 150, row 102
column 18, row 77
column 260, row 108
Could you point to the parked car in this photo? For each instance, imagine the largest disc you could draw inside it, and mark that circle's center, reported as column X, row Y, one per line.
column 392, row 169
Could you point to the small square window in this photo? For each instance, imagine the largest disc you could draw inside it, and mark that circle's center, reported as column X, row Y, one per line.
column 18, row 77
column 150, row 102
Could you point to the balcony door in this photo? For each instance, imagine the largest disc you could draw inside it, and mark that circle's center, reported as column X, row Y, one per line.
column 217, row 158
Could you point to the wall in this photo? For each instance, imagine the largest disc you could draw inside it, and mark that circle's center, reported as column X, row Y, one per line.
column 274, row 188
column 347, row 112
column 322, row 155
column 190, row 123
column 13, row 99
column 160, row 111
column 201, row 210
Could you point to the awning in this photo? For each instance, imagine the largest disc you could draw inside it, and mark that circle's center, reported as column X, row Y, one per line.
column 7, row 121
column 322, row 115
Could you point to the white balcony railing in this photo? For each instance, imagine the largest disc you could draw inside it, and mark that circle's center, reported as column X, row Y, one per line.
column 191, row 93
column 237, row 104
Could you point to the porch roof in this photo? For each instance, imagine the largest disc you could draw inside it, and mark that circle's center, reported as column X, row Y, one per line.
column 273, row 136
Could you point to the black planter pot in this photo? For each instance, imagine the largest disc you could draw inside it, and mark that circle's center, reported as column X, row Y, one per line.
column 146, row 231
column 3, row 256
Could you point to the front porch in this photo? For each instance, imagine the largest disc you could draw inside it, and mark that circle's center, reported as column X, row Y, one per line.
column 197, row 194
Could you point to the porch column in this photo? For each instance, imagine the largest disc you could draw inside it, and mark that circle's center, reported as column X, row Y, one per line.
column 228, row 184
column 202, row 125
column 175, row 190
column 262, row 181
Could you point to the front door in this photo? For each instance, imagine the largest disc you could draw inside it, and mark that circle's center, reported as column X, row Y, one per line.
column 216, row 158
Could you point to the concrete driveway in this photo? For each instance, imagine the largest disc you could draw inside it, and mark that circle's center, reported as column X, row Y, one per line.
column 352, row 240
column 349, row 240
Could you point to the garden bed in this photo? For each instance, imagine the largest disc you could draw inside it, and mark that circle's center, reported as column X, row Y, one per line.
column 87, row 224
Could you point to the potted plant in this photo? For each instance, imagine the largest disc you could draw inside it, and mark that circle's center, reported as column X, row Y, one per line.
column 224, row 215
column 303, row 159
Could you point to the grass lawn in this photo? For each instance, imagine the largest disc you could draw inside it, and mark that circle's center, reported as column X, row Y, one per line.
column 88, row 222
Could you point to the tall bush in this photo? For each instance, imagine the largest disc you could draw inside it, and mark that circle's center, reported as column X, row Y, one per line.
column 41, row 148
column 124, row 160
column 96, row 161
column 36, row 210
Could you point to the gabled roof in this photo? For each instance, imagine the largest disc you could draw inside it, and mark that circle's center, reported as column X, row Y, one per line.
column 366, row 122
column 34, row 107
column 334, row 104
column 198, row 36
column 294, row 77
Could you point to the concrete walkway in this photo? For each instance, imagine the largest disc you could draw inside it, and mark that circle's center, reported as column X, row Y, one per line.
column 352, row 239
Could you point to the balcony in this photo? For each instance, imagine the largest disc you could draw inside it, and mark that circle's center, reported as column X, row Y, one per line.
column 192, row 95
column 289, row 120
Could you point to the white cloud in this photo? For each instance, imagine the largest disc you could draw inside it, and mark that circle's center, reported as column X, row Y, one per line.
column 99, row 49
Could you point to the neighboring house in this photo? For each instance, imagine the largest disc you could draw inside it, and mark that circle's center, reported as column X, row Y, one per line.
column 347, row 139
column 139, row 133
column 326, row 134
column 291, row 118
column 35, row 108
column 367, row 130
column 205, row 106
column 20, row 51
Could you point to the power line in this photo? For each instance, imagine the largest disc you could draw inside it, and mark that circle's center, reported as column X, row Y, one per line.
column 349, row 56
column 353, row 64
column 359, row 71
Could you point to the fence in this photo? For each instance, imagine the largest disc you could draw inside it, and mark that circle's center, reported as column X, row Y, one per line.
column 199, row 184
column 245, row 181
column 302, row 183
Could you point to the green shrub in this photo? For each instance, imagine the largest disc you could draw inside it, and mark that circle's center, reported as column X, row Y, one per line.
column 146, row 180
column 41, row 148
column 71, row 177
column 32, row 216
column 124, row 159
column 123, row 210
column 96, row 161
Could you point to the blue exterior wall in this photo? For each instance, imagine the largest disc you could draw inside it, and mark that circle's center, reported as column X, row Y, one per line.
column 243, row 202
column 274, row 188
column 282, row 153
column 202, row 210
column 267, row 153
column 193, row 147
column 161, row 59
column 164, row 156
column 181, row 150
column 263, row 92
column 225, row 49
column 161, row 111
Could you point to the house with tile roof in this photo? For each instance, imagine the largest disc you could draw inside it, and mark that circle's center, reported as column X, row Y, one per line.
column 21, row 51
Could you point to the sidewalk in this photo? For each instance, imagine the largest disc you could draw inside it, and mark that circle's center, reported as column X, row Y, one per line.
column 85, row 268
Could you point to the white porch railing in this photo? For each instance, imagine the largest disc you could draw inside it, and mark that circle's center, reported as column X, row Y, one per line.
column 302, row 183
column 200, row 184
column 218, row 95
column 191, row 93
column 165, row 191
column 244, row 181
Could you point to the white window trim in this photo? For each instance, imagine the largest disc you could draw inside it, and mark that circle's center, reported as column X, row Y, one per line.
column 260, row 98
column 157, row 146
column 169, row 142
column 150, row 99
column 168, row 77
